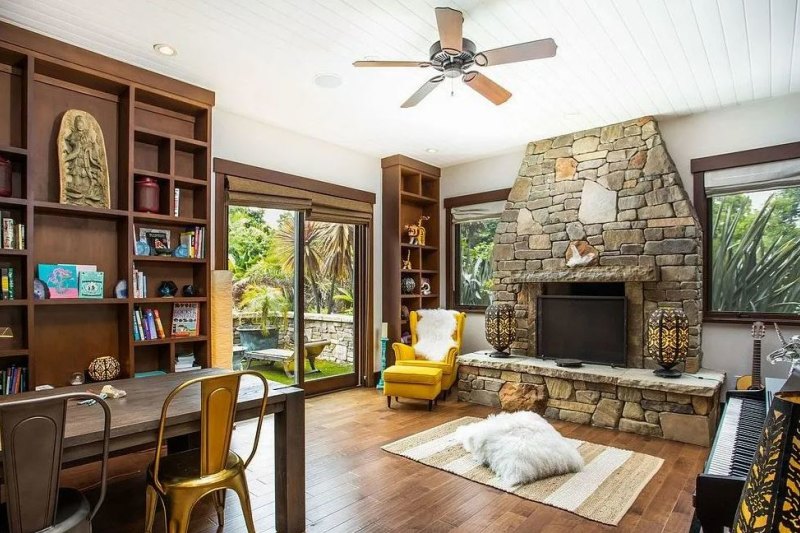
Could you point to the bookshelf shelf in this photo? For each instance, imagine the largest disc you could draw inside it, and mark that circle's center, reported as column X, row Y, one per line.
column 81, row 301
column 169, row 259
column 5, row 251
column 55, row 208
column 412, row 198
column 171, row 340
column 167, row 219
column 154, row 127
column 11, row 352
column 173, row 300
column 13, row 202
column 14, row 303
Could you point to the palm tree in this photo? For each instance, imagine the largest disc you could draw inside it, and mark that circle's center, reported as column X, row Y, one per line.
column 284, row 247
column 336, row 241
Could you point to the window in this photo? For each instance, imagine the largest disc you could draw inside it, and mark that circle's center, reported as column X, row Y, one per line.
column 752, row 265
column 474, row 244
column 472, row 222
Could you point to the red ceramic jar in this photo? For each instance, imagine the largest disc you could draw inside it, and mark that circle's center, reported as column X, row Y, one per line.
column 146, row 195
column 5, row 177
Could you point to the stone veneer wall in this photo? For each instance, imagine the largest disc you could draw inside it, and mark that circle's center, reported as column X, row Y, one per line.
column 615, row 191
column 636, row 409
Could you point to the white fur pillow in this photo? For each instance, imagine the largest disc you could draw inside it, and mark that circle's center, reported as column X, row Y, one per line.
column 435, row 333
column 520, row 447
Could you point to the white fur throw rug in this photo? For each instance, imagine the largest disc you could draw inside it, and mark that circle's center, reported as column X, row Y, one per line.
column 519, row 447
column 603, row 490
column 435, row 329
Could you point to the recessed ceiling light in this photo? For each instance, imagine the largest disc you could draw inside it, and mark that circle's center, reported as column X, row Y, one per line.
column 327, row 81
column 431, row 150
column 165, row 49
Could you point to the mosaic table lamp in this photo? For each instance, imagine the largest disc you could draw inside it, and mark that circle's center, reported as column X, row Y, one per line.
column 668, row 339
column 501, row 328
column 770, row 500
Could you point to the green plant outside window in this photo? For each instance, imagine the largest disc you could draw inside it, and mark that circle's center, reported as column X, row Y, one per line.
column 755, row 266
column 475, row 240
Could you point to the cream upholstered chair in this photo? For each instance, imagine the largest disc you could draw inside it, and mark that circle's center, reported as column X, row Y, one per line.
column 405, row 355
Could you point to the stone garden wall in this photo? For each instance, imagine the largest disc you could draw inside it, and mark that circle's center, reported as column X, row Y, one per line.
column 338, row 329
column 613, row 197
column 632, row 402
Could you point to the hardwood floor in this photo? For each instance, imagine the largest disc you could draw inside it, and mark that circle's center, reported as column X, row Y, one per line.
column 352, row 485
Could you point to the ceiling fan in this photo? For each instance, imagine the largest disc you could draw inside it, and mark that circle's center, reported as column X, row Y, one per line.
column 453, row 54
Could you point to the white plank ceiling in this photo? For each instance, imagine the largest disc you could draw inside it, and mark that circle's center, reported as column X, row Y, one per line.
column 617, row 59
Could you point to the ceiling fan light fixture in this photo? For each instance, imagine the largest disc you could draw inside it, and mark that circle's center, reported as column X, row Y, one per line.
column 165, row 49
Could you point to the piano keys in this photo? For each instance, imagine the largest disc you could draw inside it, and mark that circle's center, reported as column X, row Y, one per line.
column 720, row 485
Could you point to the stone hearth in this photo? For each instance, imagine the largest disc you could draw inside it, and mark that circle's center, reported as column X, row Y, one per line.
column 613, row 197
column 628, row 399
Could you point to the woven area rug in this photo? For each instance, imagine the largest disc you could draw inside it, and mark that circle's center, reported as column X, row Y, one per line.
column 603, row 491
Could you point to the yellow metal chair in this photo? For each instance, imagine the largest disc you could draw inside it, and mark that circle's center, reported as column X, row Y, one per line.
column 179, row 480
column 406, row 356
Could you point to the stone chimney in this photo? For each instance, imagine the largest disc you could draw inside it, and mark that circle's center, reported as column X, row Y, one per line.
column 601, row 205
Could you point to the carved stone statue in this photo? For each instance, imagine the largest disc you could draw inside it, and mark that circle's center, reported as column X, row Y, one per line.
column 82, row 162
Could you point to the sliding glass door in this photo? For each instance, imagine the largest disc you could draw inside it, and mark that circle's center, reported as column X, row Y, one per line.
column 298, row 310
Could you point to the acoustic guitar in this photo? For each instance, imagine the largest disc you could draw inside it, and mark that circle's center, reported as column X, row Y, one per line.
column 753, row 381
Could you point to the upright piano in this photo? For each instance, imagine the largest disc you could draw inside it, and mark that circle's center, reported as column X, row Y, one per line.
column 720, row 485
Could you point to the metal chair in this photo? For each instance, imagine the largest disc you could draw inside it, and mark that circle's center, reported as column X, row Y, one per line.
column 32, row 433
column 179, row 480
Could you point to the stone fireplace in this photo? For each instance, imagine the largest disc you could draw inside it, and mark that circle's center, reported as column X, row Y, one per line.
column 604, row 205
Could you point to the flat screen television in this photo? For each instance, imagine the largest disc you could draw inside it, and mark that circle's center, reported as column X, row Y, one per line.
column 589, row 328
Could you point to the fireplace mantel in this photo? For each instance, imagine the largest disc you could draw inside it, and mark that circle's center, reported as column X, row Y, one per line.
column 595, row 274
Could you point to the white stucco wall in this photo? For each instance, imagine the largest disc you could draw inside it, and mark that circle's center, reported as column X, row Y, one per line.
column 754, row 125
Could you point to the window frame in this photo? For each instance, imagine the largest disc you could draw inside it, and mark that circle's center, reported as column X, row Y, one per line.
column 702, row 205
column 452, row 244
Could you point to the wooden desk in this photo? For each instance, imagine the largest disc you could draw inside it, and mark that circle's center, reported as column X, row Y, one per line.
column 135, row 419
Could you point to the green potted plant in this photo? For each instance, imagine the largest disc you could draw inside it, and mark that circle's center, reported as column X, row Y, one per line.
column 272, row 314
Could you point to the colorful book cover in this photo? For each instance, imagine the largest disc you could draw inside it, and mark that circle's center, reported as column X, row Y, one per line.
column 159, row 325
column 8, row 233
column 139, row 325
column 158, row 239
column 135, row 327
column 151, row 324
column 62, row 280
column 90, row 284
column 184, row 320
column 12, row 290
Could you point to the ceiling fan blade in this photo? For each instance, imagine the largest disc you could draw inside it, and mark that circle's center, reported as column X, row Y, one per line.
column 486, row 87
column 422, row 92
column 391, row 64
column 517, row 52
column 451, row 25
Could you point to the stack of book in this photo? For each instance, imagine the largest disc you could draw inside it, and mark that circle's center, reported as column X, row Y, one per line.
column 13, row 380
column 139, row 284
column 147, row 325
column 7, row 289
column 185, row 362
column 13, row 234
column 194, row 239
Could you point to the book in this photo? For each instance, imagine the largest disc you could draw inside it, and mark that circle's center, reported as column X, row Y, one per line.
column 185, row 320
column 8, row 231
column 151, row 324
column 159, row 325
column 20, row 236
column 158, row 239
column 177, row 209
column 62, row 280
column 90, row 284
column 135, row 327
column 12, row 290
column 4, row 284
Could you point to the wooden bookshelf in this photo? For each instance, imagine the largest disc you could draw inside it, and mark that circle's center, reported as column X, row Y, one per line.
column 154, row 127
column 410, row 190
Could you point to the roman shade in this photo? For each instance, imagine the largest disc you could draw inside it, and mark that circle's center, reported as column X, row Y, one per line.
column 484, row 211
column 319, row 207
column 749, row 178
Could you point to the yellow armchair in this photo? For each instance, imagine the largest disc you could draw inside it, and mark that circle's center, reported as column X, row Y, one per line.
column 405, row 355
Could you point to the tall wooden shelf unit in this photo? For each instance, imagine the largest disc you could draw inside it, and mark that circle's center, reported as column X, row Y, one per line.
column 149, row 131
column 410, row 190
